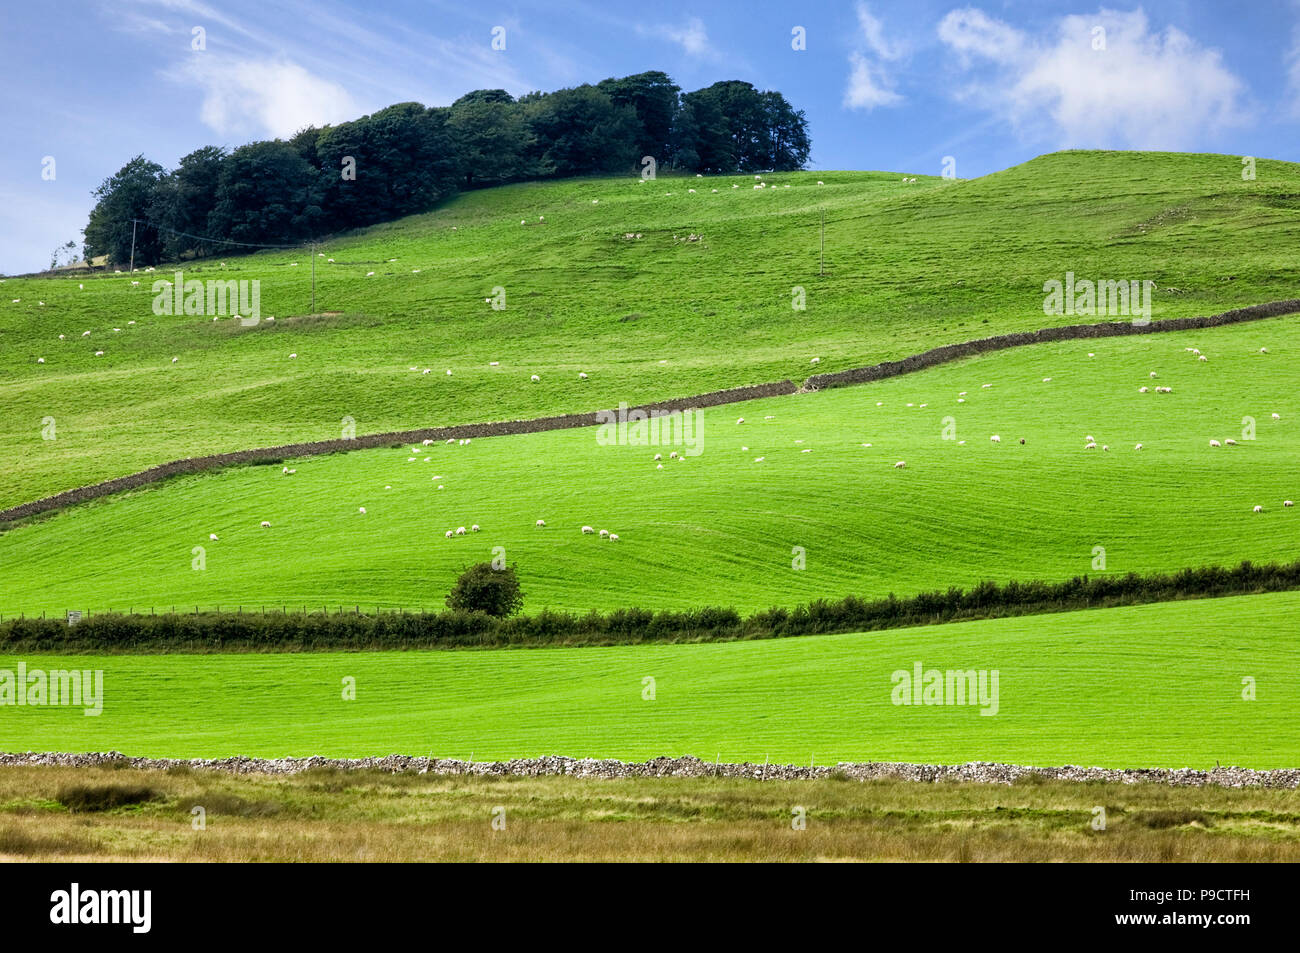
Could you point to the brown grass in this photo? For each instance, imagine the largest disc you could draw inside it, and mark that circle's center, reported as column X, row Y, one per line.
column 370, row 816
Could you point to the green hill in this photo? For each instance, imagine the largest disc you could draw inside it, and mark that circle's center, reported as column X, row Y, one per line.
column 908, row 266
column 722, row 527
column 1157, row 685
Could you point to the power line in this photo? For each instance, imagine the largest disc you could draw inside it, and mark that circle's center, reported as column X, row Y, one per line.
column 222, row 241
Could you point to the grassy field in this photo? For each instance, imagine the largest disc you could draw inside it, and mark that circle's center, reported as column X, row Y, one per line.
column 1157, row 685
column 721, row 528
column 908, row 266
column 368, row 816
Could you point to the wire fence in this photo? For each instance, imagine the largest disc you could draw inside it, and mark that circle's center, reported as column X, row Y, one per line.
column 76, row 615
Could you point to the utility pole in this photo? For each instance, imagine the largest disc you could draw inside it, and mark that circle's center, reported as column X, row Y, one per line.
column 821, row 255
column 313, row 277
column 133, row 222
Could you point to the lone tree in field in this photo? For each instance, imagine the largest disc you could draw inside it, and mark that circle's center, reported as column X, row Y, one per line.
column 481, row 588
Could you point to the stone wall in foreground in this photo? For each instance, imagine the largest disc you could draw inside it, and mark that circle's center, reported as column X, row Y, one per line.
column 983, row 772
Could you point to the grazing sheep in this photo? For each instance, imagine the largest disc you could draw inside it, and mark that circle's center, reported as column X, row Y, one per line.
column 995, row 438
column 815, row 360
column 541, row 522
column 673, row 455
column 1259, row 509
column 582, row 376
column 266, row 524
column 1143, row 390
column 460, row 531
column 604, row 533
column 1105, row 446
column 1263, row 350
column 613, row 537
column 1215, row 443
column 85, row 334
column 759, row 459
column 820, row 182
column 900, row 464
column 659, row 466
column 426, row 442
column 1022, row 441
column 40, row 360
column 212, row 536
column 1090, row 445
column 293, row 355
column 1090, row 438
column 1202, row 358
column 1047, row 380
column 1287, row 503
column 1153, row 373
column 449, row 534
column 740, row 420
column 449, row 372
column 1138, row 447
column 1277, row 416
column 474, row 528
column 175, row 359
column 361, row 510
column 587, row 530
column 659, row 456
column 1229, row 442
column 536, row 379
column 99, row 354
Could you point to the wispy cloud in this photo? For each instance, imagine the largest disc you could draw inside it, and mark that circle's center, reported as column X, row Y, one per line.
column 276, row 98
column 870, row 83
column 692, row 37
column 1103, row 80
column 1292, row 64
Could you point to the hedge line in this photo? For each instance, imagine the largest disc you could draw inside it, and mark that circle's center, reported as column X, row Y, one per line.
column 209, row 632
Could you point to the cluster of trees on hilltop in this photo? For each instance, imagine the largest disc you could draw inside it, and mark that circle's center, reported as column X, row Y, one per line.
column 408, row 157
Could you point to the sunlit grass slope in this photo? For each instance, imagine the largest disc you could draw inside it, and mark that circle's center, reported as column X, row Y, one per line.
column 908, row 266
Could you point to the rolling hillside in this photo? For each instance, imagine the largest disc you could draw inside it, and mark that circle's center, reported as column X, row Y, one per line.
column 721, row 527
column 1157, row 686
column 908, row 266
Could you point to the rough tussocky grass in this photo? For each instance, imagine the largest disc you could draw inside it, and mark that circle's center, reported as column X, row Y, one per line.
column 908, row 267
column 720, row 528
column 1143, row 686
column 370, row 816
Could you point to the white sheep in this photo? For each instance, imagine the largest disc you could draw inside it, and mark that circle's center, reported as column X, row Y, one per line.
column 1215, row 443
column 541, row 522
column 658, row 457
column 740, row 420
column 266, row 524
column 613, row 537
column 673, row 455
column 1277, row 416
column 1090, row 445
column 460, row 531
column 815, row 360
column 604, row 533
column 1138, row 447
column 1143, row 390
column 587, row 529
column 212, row 536
column 582, row 375
column 1287, row 503
column 1259, row 509
column 1153, row 373
column 900, row 464
column 536, row 379
column 1229, row 442
column 995, row 438
column 475, row 528
column 361, row 510
column 175, row 359
column 40, row 360
column 1202, row 358
column 449, row 534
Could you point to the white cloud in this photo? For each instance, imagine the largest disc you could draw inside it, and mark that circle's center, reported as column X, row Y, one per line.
column 693, row 38
column 275, row 98
column 863, row 91
column 870, row 84
column 873, row 32
column 1143, row 89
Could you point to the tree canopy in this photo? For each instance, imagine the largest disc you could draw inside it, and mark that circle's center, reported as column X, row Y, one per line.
column 408, row 157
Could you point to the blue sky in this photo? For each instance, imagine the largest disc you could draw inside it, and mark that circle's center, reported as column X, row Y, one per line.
column 886, row 85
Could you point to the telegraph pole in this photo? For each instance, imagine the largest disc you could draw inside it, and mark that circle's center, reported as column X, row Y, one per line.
column 133, row 222
column 313, row 277
column 821, row 255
